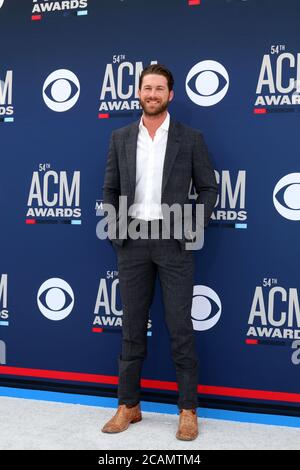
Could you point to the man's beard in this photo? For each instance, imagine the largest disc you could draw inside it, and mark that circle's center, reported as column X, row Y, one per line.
column 156, row 111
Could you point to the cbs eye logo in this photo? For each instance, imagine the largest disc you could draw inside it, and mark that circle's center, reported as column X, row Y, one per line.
column 206, row 308
column 1, row 3
column 207, row 83
column 286, row 196
column 55, row 299
column 61, row 90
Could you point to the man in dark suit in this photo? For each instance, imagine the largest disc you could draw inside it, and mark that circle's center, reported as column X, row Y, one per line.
column 152, row 163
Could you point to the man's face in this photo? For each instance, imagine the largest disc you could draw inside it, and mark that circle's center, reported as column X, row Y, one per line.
column 154, row 94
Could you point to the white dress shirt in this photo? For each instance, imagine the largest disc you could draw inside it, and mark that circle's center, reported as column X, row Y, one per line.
column 150, row 157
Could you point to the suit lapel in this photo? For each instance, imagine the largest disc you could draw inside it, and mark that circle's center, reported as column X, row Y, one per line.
column 171, row 152
column 131, row 145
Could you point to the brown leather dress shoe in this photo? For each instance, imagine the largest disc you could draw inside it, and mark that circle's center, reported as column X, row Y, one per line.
column 188, row 425
column 123, row 418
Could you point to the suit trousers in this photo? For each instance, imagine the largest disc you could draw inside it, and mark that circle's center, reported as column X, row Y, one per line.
column 139, row 263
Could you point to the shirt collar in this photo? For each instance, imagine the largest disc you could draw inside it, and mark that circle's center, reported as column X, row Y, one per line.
column 165, row 125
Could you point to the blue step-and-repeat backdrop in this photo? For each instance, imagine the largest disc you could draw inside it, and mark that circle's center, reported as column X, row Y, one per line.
column 68, row 76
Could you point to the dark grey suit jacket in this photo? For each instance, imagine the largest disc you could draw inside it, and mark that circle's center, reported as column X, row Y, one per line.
column 186, row 158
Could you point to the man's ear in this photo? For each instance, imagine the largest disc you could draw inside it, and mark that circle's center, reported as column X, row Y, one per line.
column 171, row 95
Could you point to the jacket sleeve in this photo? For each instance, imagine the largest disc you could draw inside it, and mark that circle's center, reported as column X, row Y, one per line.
column 204, row 177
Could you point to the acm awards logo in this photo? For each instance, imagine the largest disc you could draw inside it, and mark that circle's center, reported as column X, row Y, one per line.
column 278, row 82
column 108, row 313
column 46, row 6
column 119, row 88
column 286, row 196
column 6, row 100
column 106, row 309
column 54, row 196
column 274, row 316
column 207, row 83
column 230, row 207
column 275, row 311
column 55, row 299
column 4, row 311
column 61, row 90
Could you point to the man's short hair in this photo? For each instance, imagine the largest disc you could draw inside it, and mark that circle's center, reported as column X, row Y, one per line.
column 158, row 69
